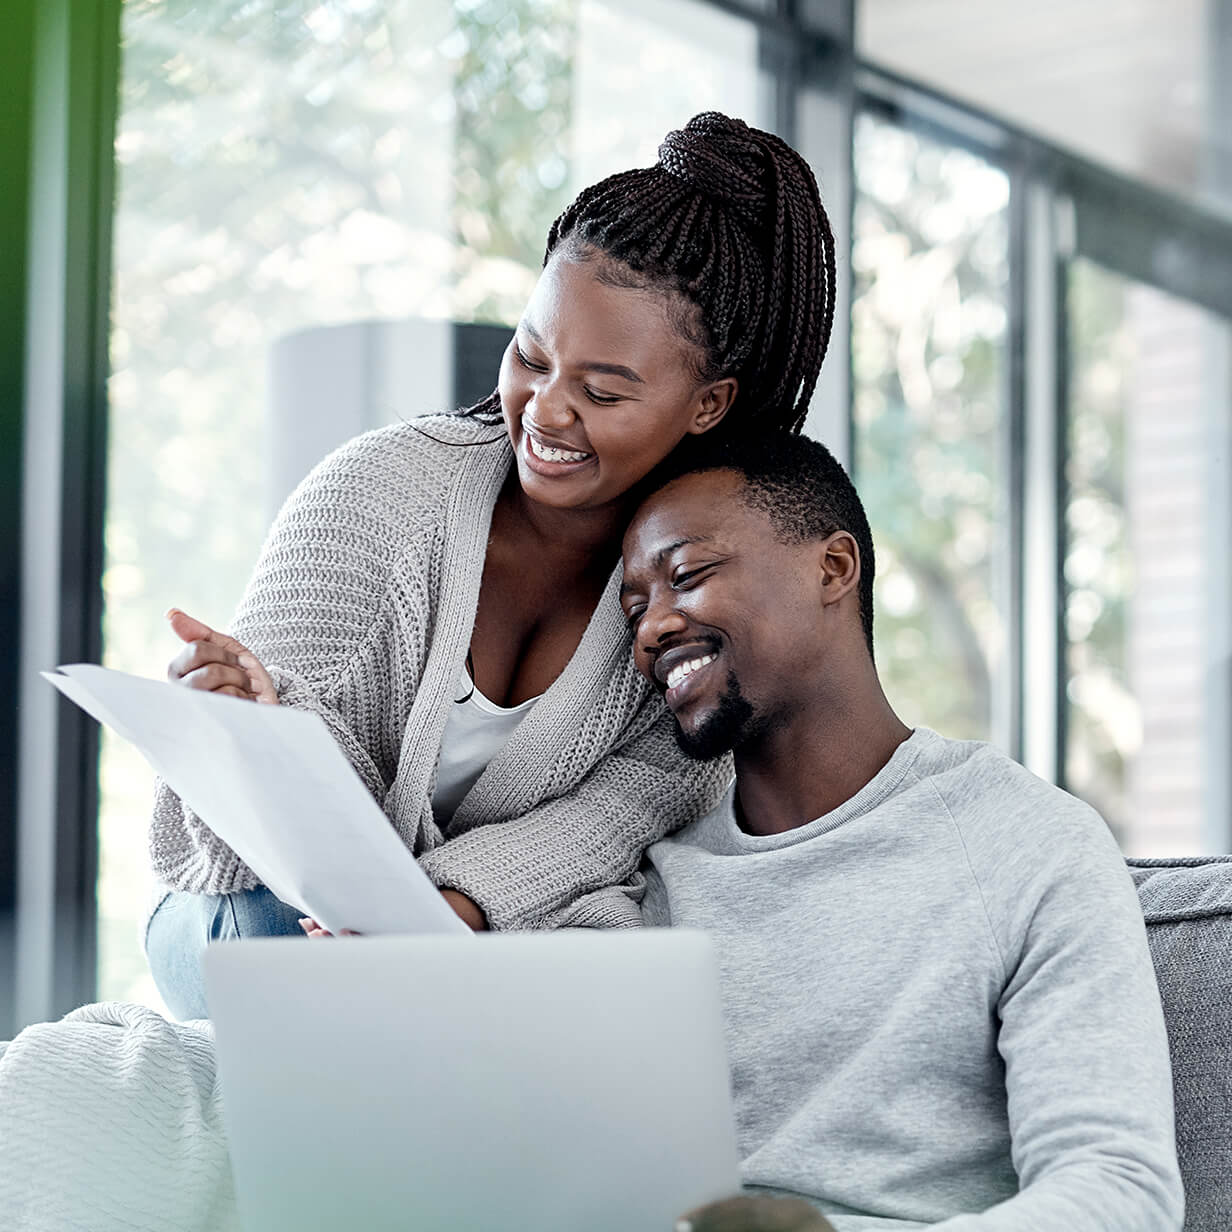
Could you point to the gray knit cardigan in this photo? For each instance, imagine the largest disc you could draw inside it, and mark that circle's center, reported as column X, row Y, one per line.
column 362, row 607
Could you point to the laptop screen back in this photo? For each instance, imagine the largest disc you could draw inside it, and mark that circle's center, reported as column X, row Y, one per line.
column 545, row 1081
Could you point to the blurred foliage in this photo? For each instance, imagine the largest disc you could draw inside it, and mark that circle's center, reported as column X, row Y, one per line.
column 930, row 266
column 511, row 171
column 1102, row 717
column 282, row 165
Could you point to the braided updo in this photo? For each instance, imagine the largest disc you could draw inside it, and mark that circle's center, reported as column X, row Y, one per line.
column 730, row 220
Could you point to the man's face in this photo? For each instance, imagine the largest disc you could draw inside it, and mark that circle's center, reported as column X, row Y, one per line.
column 725, row 616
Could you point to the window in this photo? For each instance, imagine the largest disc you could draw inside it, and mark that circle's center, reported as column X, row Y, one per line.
column 929, row 319
column 1146, row 528
column 310, row 195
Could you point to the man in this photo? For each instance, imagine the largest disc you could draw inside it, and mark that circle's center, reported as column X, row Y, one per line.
column 940, row 1005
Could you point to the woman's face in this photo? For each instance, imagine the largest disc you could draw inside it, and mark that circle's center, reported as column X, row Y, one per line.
column 598, row 387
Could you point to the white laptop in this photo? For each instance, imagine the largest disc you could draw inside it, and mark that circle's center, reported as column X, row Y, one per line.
column 525, row 1082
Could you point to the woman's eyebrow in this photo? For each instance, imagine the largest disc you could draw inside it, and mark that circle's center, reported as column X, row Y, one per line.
column 595, row 365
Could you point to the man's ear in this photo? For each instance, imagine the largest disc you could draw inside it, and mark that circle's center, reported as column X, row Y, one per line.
column 840, row 566
column 713, row 402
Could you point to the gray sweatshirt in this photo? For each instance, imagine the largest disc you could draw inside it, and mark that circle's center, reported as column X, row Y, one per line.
column 939, row 1002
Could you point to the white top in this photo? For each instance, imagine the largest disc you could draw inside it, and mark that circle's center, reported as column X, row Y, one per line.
column 476, row 730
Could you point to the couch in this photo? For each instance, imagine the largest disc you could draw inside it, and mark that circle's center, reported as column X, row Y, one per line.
column 1187, row 904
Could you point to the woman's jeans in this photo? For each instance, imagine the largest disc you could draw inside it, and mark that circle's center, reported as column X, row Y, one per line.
column 184, row 924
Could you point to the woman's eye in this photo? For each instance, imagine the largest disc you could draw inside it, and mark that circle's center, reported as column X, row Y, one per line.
column 526, row 363
column 633, row 616
column 602, row 399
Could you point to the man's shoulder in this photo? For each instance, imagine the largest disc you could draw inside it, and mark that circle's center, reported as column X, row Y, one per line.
column 982, row 786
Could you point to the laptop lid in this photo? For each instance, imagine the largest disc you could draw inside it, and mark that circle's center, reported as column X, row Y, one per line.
column 545, row 1081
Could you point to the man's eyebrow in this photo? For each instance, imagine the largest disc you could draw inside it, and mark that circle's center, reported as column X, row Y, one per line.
column 664, row 552
column 594, row 366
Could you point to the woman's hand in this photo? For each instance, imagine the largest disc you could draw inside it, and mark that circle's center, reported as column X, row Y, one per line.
column 216, row 663
column 747, row 1214
column 467, row 911
column 313, row 929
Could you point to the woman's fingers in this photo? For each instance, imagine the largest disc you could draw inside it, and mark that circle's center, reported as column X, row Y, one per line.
column 206, row 648
column 188, row 628
column 259, row 681
column 313, row 929
column 197, row 655
column 219, row 678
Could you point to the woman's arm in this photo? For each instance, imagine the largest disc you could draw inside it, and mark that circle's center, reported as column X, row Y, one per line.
column 564, row 862
column 318, row 614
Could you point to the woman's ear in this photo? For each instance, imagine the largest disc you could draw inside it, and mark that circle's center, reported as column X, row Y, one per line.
column 713, row 402
column 840, row 566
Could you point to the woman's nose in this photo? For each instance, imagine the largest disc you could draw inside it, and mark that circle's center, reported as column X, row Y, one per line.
column 550, row 407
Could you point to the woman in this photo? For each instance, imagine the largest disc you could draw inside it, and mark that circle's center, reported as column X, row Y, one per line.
column 443, row 593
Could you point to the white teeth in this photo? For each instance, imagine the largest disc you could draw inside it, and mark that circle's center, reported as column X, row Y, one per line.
column 681, row 670
column 548, row 454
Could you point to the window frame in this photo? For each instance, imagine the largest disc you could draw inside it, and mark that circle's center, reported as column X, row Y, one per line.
column 68, row 117
column 60, row 90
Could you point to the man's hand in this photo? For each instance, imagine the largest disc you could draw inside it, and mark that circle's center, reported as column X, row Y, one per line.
column 747, row 1214
column 216, row 663
column 468, row 912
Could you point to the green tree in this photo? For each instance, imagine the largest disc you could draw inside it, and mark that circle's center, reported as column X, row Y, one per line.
column 928, row 335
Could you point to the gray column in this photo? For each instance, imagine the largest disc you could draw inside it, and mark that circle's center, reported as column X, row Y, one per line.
column 67, row 293
column 1217, row 751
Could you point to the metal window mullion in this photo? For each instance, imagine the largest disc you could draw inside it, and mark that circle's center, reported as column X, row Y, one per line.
column 1007, row 716
column 74, row 90
column 1042, row 648
column 15, row 108
column 825, row 103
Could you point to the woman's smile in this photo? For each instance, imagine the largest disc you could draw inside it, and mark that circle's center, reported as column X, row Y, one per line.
column 550, row 459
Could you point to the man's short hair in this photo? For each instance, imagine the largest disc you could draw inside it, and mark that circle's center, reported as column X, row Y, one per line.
column 799, row 484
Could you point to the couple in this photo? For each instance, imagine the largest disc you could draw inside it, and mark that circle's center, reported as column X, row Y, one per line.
column 939, row 1002
column 939, row 1005
column 936, row 974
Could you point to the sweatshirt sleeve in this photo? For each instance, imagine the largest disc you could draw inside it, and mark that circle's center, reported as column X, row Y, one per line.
column 1083, row 1039
column 572, row 861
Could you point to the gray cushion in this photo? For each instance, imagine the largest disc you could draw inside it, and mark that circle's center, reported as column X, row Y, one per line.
column 1188, row 909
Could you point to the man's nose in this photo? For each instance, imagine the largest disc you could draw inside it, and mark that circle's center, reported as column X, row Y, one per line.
column 661, row 620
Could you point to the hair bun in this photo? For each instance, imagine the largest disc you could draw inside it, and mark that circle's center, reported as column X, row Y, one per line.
column 720, row 157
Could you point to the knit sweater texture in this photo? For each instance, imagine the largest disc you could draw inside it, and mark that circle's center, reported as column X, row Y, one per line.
column 362, row 607
column 941, row 1010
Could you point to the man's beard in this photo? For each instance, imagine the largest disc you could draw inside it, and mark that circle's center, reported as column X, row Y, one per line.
column 729, row 724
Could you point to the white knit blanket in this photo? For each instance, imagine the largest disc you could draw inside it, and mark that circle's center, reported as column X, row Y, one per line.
column 111, row 1120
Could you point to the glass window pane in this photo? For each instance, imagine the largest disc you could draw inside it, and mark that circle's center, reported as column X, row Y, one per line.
column 1148, row 421
column 1135, row 87
column 928, row 340
column 311, row 197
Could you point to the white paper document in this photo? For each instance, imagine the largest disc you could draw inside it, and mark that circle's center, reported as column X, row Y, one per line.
column 271, row 782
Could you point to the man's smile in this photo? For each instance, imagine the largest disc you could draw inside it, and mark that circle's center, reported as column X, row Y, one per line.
column 676, row 671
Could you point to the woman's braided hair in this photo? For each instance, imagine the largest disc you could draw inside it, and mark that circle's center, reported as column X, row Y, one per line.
column 729, row 218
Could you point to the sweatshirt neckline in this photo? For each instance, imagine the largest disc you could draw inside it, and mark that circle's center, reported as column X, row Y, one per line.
column 875, row 792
